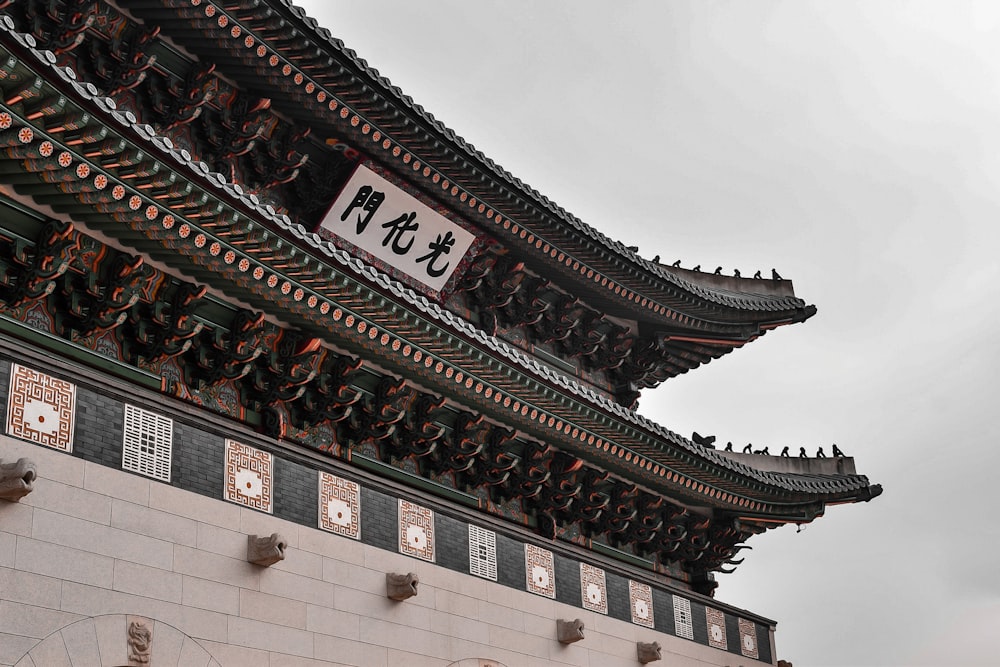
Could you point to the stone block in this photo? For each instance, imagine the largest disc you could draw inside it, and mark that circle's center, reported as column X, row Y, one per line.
column 221, row 541
column 267, row 637
column 341, row 549
column 30, row 588
column 351, row 575
column 296, row 587
column 110, row 631
column 194, row 654
column 167, row 644
column 501, row 616
column 8, row 549
column 31, row 621
column 153, row 523
column 519, row 642
column 205, row 565
column 272, row 609
column 13, row 647
column 302, row 562
column 147, row 581
column 16, row 518
column 397, row 657
column 323, row 620
column 51, row 652
column 84, row 535
column 456, row 626
column 71, row 501
column 455, row 603
column 352, row 652
column 241, row 656
column 189, row 505
column 405, row 638
column 210, row 595
column 116, row 484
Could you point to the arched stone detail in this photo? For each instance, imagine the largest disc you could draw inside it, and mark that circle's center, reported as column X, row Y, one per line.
column 103, row 641
column 477, row 662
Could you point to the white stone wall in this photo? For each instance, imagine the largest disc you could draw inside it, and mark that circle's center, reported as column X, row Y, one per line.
column 93, row 542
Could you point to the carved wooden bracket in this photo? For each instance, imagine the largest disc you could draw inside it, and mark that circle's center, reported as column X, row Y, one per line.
column 266, row 551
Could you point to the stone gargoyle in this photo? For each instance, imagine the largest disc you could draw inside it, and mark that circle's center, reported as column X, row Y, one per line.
column 16, row 479
column 266, row 551
column 648, row 652
column 568, row 632
column 400, row 587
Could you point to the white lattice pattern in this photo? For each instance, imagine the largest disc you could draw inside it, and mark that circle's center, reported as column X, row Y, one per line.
column 148, row 443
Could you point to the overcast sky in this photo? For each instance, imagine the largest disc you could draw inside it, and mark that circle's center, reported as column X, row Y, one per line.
column 855, row 147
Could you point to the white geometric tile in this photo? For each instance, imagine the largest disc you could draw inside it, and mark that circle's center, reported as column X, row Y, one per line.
column 540, row 571
column 716, row 622
column 416, row 530
column 640, row 598
column 683, row 625
column 148, row 443
column 593, row 588
column 339, row 505
column 249, row 476
column 748, row 638
column 482, row 552
column 41, row 408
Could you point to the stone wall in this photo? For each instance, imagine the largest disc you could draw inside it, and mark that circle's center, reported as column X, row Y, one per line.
column 94, row 552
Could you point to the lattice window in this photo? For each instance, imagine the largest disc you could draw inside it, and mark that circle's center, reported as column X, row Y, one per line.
column 148, row 443
column 682, row 618
column 482, row 552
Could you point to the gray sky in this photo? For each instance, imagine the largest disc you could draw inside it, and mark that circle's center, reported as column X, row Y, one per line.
column 855, row 147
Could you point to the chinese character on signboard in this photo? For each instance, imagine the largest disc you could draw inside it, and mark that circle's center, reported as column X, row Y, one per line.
column 397, row 228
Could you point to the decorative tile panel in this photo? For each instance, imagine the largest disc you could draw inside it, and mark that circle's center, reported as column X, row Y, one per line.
column 748, row 638
column 339, row 506
column 540, row 571
column 249, row 476
column 416, row 530
column 683, row 626
column 640, row 599
column 482, row 552
column 716, row 622
column 593, row 588
column 41, row 408
column 148, row 443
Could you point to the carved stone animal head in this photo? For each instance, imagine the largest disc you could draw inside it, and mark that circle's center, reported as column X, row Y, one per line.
column 401, row 587
column 16, row 479
column 648, row 652
column 266, row 551
column 569, row 631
